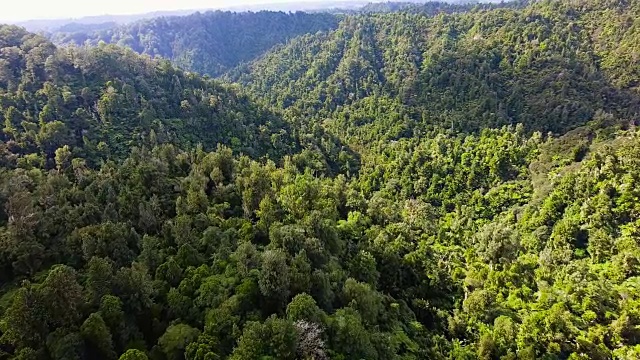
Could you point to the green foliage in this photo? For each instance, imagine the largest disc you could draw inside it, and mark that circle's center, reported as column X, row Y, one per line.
column 175, row 340
column 304, row 307
column 134, row 354
column 101, row 101
column 98, row 338
column 388, row 190
column 208, row 43
column 274, row 277
column 275, row 339
column 550, row 65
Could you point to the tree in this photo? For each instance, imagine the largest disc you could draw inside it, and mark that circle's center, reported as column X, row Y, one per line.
column 63, row 297
column 134, row 354
column 12, row 120
column 64, row 345
column 52, row 136
column 27, row 354
column 99, row 279
column 205, row 348
column 300, row 273
column 175, row 340
column 63, row 158
column 304, row 307
column 98, row 338
column 363, row 268
column 170, row 272
column 310, row 343
column 362, row 298
column 24, row 320
column 133, row 286
column 111, row 313
column 276, row 338
column 274, row 278
column 496, row 244
column 247, row 258
column 348, row 336
column 108, row 240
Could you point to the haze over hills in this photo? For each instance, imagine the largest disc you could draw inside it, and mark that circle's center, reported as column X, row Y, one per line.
column 52, row 25
column 58, row 24
column 429, row 182
column 208, row 43
column 213, row 43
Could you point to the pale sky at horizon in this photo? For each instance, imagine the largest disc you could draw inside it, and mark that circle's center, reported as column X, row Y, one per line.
column 21, row 10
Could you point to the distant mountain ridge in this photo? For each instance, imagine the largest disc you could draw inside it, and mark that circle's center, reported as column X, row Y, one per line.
column 54, row 25
column 209, row 43
column 214, row 42
column 467, row 70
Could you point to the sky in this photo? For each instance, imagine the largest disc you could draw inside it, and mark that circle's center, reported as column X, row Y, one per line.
column 20, row 10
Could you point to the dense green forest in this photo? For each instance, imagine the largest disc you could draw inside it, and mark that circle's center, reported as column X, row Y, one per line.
column 101, row 101
column 208, row 43
column 408, row 185
column 213, row 43
column 434, row 7
column 550, row 66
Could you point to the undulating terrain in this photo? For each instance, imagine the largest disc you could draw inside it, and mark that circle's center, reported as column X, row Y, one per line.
column 409, row 182
column 208, row 43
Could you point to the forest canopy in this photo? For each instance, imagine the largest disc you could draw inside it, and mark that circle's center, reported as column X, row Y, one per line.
column 400, row 185
column 208, row 43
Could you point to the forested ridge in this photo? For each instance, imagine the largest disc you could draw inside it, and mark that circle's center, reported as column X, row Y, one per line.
column 550, row 66
column 409, row 185
column 100, row 101
column 215, row 42
column 208, row 43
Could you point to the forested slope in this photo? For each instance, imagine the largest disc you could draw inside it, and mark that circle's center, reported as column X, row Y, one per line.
column 550, row 66
column 385, row 191
column 208, row 43
column 435, row 7
column 102, row 101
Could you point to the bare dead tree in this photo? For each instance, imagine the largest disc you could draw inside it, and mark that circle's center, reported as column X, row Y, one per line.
column 310, row 343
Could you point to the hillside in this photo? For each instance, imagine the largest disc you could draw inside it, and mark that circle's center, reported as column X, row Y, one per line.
column 550, row 66
column 208, row 43
column 87, row 22
column 214, row 42
column 104, row 100
column 407, row 186
column 435, row 7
